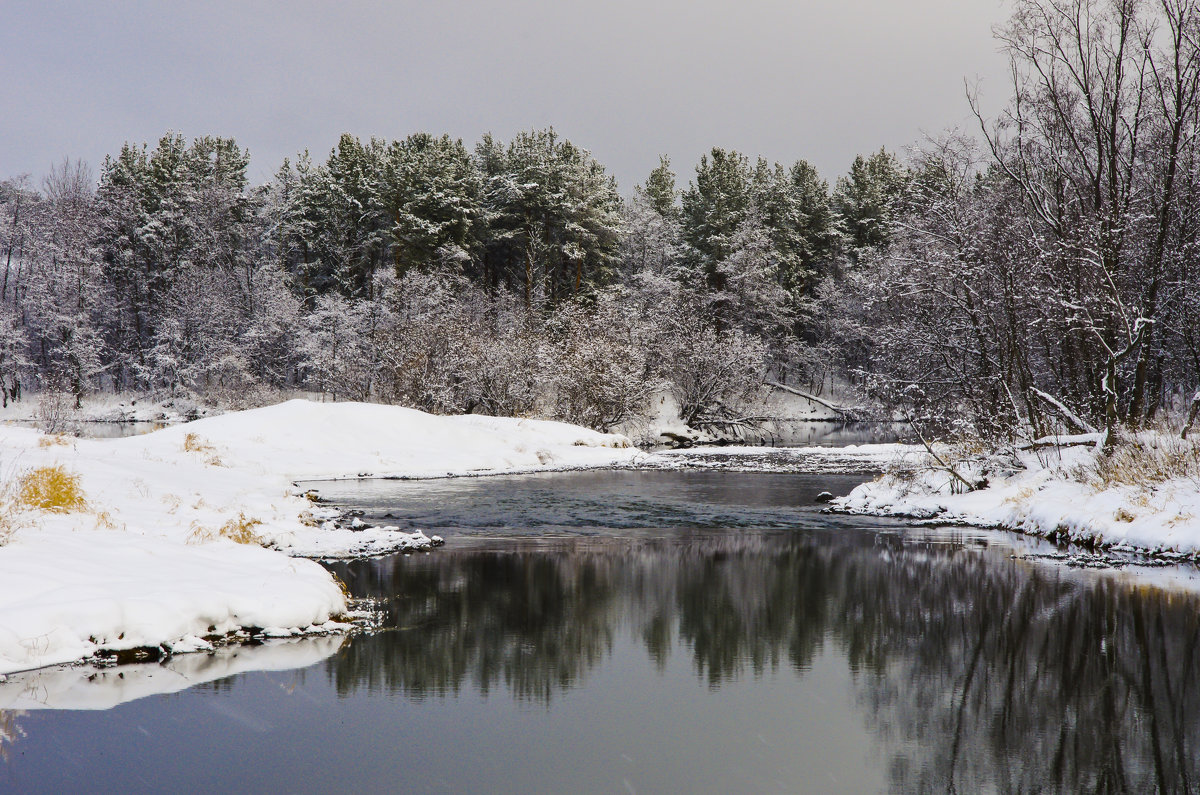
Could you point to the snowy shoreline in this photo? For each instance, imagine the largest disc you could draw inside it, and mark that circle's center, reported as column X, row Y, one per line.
column 1047, row 493
column 152, row 562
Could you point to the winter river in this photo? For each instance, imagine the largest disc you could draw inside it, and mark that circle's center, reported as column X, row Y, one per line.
column 660, row 632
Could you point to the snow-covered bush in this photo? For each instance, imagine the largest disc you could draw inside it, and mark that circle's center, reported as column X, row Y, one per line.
column 597, row 362
column 55, row 413
column 714, row 374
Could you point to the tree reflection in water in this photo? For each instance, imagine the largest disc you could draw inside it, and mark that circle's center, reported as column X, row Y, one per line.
column 977, row 672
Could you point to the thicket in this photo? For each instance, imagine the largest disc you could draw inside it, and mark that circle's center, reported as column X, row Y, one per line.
column 1045, row 276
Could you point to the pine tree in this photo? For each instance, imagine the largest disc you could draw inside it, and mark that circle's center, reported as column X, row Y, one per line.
column 868, row 198
column 660, row 189
column 714, row 205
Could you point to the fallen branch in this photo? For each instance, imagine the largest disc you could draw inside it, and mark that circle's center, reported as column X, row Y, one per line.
column 733, row 420
column 1041, row 444
column 844, row 411
column 1064, row 412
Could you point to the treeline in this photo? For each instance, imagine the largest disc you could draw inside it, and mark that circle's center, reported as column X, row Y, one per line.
column 1044, row 276
column 511, row 279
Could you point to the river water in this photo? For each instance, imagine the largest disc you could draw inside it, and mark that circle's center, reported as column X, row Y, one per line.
column 661, row 631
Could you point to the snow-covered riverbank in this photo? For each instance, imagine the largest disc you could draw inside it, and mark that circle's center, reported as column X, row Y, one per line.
column 1144, row 501
column 151, row 560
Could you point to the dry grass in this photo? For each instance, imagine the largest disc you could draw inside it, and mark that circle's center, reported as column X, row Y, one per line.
column 10, row 519
column 54, row 440
column 105, row 521
column 52, row 489
column 1020, row 498
column 194, row 443
column 1144, row 460
column 239, row 530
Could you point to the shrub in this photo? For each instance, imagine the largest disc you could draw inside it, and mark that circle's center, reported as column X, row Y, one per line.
column 52, row 489
column 56, row 413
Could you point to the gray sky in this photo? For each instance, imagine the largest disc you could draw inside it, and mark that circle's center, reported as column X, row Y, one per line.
column 815, row 79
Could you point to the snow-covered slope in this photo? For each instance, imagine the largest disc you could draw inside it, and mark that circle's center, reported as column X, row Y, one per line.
column 146, row 562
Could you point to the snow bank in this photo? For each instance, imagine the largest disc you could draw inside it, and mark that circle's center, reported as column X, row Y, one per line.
column 150, row 562
column 69, row 594
column 303, row 440
column 1040, row 493
column 875, row 454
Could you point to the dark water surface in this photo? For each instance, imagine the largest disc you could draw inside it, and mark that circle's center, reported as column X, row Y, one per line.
column 662, row 632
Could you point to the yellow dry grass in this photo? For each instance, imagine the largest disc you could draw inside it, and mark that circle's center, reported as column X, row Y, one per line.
column 1144, row 460
column 239, row 530
column 105, row 521
column 52, row 489
column 194, row 443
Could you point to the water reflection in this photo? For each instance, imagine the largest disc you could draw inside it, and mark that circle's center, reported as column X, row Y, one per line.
column 101, row 429
column 85, row 687
column 10, row 731
column 831, row 434
column 975, row 671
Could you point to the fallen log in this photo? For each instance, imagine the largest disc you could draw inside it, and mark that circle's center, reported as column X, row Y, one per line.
column 848, row 413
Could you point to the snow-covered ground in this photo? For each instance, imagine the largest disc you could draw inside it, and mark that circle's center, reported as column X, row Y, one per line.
column 1046, row 492
column 150, row 560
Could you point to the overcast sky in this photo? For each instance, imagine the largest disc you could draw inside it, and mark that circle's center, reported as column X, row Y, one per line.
column 627, row 79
